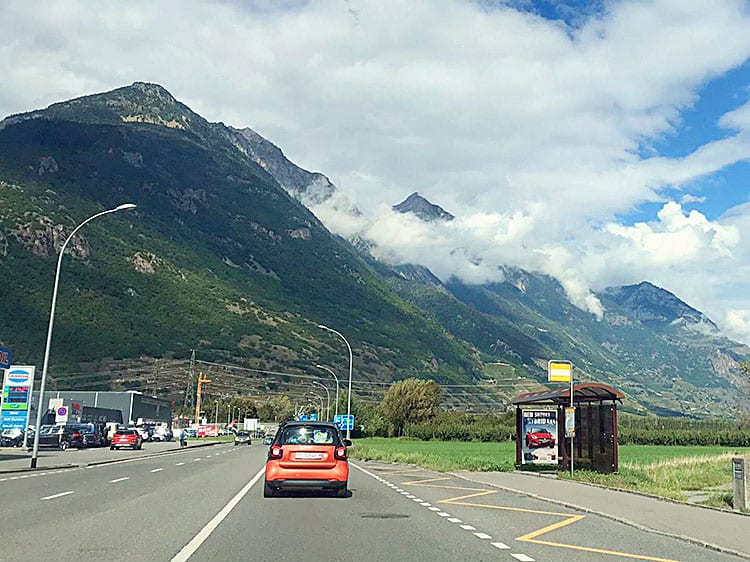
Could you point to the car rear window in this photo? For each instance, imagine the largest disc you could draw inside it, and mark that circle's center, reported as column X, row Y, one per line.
column 308, row 435
column 125, row 432
column 242, row 434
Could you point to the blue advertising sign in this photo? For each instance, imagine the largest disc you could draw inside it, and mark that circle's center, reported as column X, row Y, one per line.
column 344, row 422
column 6, row 358
column 16, row 396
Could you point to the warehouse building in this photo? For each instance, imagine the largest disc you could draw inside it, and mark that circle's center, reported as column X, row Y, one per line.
column 134, row 407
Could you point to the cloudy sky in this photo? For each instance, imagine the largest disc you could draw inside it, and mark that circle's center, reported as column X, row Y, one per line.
column 600, row 142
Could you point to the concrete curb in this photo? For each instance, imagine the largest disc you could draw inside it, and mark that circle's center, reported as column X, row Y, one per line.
column 39, row 468
column 684, row 538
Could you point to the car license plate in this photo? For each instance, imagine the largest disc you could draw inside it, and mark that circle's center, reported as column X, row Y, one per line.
column 309, row 456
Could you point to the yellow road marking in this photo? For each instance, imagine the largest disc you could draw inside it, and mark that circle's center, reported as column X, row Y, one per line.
column 530, row 537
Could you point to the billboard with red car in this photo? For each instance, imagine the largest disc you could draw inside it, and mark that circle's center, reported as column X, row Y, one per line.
column 539, row 437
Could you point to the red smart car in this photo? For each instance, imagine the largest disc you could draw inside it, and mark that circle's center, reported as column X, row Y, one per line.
column 307, row 456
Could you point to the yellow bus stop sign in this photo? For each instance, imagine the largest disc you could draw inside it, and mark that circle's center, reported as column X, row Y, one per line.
column 559, row 371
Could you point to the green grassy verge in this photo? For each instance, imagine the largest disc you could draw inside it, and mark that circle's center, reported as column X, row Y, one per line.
column 442, row 456
column 676, row 472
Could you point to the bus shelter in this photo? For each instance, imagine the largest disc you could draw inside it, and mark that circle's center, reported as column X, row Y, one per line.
column 540, row 428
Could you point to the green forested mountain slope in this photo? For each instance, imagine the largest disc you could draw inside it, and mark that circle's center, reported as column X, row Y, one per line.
column 217, row 257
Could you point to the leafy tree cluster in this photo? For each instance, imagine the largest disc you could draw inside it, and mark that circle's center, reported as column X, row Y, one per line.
column 411, row 401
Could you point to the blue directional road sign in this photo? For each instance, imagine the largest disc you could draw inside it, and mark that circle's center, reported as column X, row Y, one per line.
column 344, row 422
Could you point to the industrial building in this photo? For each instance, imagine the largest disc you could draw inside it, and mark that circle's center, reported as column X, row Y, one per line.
column 135, row 407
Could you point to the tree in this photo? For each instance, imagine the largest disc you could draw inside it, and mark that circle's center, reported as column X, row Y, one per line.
column 411, row 401
column 277, row 409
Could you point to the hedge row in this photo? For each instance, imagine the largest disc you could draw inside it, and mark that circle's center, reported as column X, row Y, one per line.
column 726, row 438
column 460, row 432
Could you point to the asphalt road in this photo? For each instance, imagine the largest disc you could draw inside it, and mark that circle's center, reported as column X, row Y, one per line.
column 206, row 504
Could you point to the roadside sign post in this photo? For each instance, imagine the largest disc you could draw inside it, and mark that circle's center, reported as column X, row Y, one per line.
column 562, row 371
column 16, row 398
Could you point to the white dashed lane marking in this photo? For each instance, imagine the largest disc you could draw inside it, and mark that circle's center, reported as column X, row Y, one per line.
column 455, row 520
column 468, row 528
column 522, row 558
column 500, row 545
column 179, row 464
column 434, row 508
column 482, row 536
column 157, row 470
column 119, row 479
column 55, row 496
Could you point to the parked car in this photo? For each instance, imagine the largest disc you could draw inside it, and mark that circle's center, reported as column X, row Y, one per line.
column 162, row 434
column 242, row 438
column 307, row 455
column 92, row 437
column 126, row 438
column 11, row 438
column 539, row 436
column 60, row 437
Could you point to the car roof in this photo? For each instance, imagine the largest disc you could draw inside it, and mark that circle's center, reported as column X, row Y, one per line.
column 309, row 422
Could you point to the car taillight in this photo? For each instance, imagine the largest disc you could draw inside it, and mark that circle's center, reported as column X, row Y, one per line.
column 76, row 435
column 340, row 453
column 276, row 452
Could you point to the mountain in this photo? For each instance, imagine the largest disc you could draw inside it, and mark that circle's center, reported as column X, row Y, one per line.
column 656, row 307
column 308, row 187
column 221, row 256
column 217, row 257
column 418, row 205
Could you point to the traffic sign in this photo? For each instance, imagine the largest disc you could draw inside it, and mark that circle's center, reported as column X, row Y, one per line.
column 559, row 371
column 344, row 422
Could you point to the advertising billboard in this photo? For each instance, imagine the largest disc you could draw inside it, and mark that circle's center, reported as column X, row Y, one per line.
column 16, row 396
column 208, row 431
column 539, row 437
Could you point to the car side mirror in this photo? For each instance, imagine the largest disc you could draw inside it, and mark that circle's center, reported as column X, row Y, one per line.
column 347, row 443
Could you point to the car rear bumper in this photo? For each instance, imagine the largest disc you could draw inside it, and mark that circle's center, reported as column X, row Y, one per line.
column 307, row 484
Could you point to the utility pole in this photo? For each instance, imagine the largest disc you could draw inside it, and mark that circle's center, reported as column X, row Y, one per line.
column 189, row 396
column 201, row 381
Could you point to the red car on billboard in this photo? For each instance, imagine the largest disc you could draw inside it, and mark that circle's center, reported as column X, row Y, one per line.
column 539, row 436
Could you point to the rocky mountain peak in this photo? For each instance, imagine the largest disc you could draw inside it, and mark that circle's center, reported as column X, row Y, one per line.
column 421, row 207
column 656, row 307
column 141, row 102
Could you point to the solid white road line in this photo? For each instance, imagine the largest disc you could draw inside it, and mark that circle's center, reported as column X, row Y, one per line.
column 482, row 536
column 156, row 470
column 119, row 479
column 500, row 545
column 56, row 496
column 188, row 550
column 522, row 558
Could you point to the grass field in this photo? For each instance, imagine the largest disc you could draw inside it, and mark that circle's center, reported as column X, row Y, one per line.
column 701, row 473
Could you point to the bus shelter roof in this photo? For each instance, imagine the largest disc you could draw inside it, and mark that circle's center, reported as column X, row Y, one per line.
column 582, row 392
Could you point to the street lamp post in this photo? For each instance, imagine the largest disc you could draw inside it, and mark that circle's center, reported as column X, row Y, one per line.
column 320, row 398
column 328, row 398
column 35, row 451
column 349, row 394
column 336, row 401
